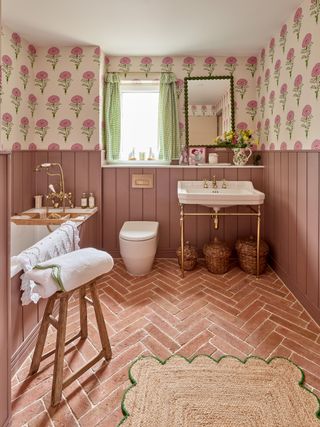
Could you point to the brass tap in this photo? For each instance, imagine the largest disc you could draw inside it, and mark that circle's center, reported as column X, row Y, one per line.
column 205, row 184
column 214, row 182
column 224, row 184
column 57, row 199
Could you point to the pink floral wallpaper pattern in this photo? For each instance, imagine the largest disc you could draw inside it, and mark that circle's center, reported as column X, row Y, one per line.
column 16, row 86
column 50, row 97
column 243, row 69
column 288, row 83
column 67, row 81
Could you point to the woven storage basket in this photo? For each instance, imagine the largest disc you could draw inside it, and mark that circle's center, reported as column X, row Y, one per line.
column 190, row 256
column 217, row 256
column 247, row 254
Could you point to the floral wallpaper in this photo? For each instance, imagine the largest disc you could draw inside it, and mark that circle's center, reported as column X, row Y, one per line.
column 67, row 84
column 16, row 86
column 202, row 110
column 244, row 70
column 50, row 96
column 288, row 83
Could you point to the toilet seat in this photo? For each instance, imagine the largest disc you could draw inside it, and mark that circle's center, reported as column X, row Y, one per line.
column 139, row 230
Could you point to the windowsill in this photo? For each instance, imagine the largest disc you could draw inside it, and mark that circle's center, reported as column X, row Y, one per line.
column 154, row 164
column 142, row 163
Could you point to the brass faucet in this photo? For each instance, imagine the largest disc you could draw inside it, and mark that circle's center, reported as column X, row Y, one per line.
column 224, row 184
column 58, row 199
column 214, row 182
column 205, row 184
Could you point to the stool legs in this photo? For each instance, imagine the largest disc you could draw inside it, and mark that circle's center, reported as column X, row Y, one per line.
column 105, row 343
column 83, row 313
column 57, row 384
column 37, row 355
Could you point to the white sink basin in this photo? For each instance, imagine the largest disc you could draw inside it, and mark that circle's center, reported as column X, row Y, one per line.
column 237, row 193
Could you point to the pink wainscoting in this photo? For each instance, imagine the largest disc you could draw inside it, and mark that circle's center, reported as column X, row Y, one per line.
column 5, row 404
column 291, row 214
column 82, row 174
column 292, row 217
column 122, row 203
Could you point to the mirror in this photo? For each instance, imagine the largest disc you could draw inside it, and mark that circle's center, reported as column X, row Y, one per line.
column 209, row 108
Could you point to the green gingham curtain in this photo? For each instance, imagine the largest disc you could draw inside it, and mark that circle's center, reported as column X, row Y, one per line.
column 168, row 118
column 112, row 116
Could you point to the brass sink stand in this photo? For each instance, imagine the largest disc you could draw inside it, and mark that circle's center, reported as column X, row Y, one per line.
column 215, row 215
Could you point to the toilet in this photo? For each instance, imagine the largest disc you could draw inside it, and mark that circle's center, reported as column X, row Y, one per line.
column 138, row 246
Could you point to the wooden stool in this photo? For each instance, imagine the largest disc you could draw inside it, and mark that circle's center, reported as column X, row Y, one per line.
column 63, row 297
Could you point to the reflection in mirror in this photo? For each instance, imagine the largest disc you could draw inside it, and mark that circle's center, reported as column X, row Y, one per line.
column 208, row 108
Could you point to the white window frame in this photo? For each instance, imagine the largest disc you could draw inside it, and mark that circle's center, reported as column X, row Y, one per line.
column 139, row 85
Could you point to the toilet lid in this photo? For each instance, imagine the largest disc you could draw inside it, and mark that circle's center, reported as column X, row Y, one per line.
column 139, row 230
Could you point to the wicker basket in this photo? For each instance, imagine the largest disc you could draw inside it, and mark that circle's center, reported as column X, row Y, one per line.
column 217, row 256
column 247, row 254
column 190, row 256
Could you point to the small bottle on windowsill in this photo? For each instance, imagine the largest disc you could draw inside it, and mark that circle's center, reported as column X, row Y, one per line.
column 132, row 155
column 151, row 155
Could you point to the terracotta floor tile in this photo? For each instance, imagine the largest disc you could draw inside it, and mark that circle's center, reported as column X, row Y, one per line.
column 23, row 416
column 261, row 333
column 162, row 314
column 267, row 346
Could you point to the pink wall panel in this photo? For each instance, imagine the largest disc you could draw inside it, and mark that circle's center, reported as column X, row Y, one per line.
column 175, row 175
column 5, row 404
column 135, row 198
column 162, row 189
column 109, row 211
column 149, row 199
column 41, row 179
column 302, row 223
column 313, row 227
column 292, row 216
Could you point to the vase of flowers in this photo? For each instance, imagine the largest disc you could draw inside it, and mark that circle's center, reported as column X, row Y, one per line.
column 240, row 142
column 240, row 156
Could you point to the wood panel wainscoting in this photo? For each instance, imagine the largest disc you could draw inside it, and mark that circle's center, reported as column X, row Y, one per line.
column 5, row 333
column 82, row 172
column 292, row 217
column 123, row 203
column 290, row 181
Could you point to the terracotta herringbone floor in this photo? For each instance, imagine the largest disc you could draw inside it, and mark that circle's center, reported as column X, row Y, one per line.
column 162, row 314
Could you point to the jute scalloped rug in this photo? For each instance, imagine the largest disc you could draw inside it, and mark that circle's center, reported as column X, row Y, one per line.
column 223, row 393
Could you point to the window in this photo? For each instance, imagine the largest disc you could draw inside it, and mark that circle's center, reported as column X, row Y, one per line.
column 139, row 119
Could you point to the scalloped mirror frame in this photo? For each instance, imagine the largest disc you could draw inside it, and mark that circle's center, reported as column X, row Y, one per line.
column 186, row 80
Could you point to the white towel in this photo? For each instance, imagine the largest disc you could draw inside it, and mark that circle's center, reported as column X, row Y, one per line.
column 69, row 271
column 61, row 241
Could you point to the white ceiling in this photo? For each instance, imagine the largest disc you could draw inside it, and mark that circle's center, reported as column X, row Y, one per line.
column 151, row 27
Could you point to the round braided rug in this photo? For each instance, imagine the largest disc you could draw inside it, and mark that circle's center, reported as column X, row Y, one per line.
column 204, row 392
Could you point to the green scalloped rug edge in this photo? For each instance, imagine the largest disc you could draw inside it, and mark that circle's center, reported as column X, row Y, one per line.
column 126, row 414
